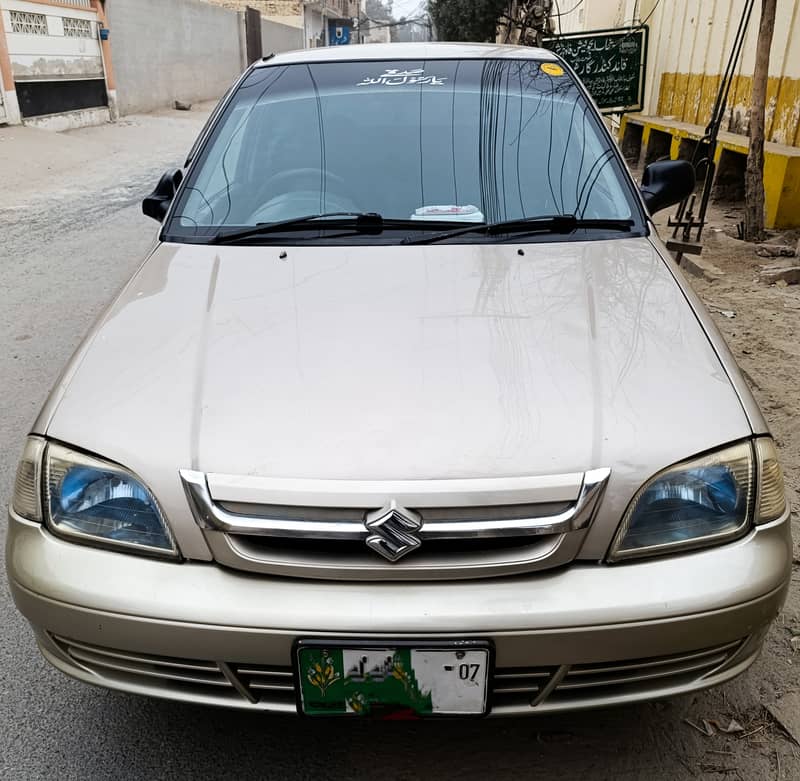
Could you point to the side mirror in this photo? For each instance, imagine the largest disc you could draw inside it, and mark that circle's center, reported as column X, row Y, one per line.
column 666, row 183
column 156, row 205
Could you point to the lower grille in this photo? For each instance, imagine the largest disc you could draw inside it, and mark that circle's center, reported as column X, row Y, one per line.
column 269, row 687
column 513, row 689
column 581, row 685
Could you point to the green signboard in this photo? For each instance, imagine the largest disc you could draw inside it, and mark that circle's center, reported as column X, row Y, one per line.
column 611, row 63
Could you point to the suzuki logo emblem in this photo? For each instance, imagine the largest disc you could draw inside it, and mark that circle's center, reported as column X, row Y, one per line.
column 392, row 531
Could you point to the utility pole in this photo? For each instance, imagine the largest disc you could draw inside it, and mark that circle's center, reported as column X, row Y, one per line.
column 532, row 20
column 754, row 175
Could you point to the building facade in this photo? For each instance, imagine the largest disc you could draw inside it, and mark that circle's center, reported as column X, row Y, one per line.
column 324, row 22
column 690, row 42
column 55, row 66
column 289, row 12
column 687, row 60
column 330, row 22
column 265, row 7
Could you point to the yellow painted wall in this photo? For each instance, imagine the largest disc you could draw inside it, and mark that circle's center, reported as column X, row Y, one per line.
column 690, row 41
column 690, row 97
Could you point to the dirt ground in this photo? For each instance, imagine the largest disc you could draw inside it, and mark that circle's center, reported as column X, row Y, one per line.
column 761, row 323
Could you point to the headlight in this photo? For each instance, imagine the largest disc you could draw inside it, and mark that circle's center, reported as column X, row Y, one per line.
column 97, row 501
column 701, row 502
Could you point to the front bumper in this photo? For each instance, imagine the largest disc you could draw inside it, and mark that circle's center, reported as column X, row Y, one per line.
column 586, row 636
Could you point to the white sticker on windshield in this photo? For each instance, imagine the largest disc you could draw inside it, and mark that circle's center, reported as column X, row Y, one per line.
column 393, row 77
column 449, row 213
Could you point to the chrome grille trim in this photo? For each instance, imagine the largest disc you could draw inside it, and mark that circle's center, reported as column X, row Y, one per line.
column 210, row 515
column 261, row 671
column 275, row 687
column 161, row 661
column 236, row 682
column 183, row 671
column 585, row 683
column 577, row 670
column 616, row 680
column 502, row 674
column 91, row 659
column 263, row 686
column 551, row 685
column 369, row 494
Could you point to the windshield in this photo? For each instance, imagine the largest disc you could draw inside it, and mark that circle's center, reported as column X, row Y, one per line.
column 440, row 141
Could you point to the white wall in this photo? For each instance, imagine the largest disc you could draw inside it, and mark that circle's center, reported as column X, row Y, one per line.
column 278, row 37
column 599, row 14
column 314, row 26
column 167, row 50
column 607, row 14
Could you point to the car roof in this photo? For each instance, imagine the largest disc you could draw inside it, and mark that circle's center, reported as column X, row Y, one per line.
column 410, row 51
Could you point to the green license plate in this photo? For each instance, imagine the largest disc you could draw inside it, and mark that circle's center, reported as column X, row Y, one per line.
column 393, row 681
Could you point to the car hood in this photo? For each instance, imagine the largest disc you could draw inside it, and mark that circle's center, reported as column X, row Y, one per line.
column 374, row 363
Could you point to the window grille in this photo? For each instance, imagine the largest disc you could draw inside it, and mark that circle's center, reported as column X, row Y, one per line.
column 77, row 28
column 28, row 23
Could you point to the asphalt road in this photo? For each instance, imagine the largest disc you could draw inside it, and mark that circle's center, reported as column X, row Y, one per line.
column 64, row 251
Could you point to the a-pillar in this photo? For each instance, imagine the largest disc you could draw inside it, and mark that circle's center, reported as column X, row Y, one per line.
column 10, row 102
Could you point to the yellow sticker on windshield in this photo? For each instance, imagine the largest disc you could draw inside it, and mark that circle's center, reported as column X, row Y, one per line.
column 551, row 69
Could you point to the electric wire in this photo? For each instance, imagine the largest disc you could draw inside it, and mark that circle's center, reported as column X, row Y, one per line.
column 587, row 188
column 503, row 147
column 566, row 152
column 550, row 155
column 453, row 133
column 647, row 19
column 567, row 13
column 236, row 131
column 519, row 142
column 323, row 161
column 583, row 155
column 421, row 156
column 558, row 16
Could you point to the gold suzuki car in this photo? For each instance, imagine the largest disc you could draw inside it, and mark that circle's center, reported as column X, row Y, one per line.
column 407, row 412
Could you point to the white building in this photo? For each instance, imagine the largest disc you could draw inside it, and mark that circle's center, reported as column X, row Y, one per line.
column 330, row 22
column 55, row 68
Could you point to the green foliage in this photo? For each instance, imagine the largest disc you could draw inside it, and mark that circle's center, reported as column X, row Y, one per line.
column 466, row 20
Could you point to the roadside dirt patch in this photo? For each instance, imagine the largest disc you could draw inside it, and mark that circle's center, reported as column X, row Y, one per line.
column 761, row 323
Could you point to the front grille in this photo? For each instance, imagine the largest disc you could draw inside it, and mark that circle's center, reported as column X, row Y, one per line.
column 451, row 529
column 513, row 689
column 352, row 560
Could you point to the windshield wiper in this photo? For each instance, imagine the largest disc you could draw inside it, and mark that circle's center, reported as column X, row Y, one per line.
column 556, row 223
column 361, row 222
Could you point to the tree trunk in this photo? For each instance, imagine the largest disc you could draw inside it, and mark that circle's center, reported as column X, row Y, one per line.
column 754, row 176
